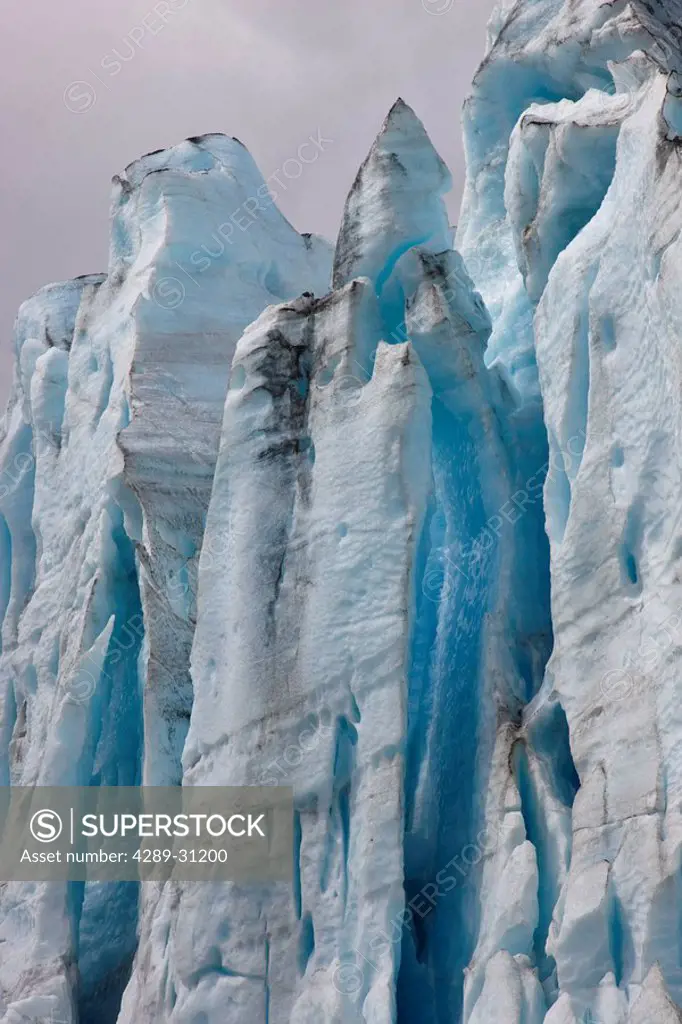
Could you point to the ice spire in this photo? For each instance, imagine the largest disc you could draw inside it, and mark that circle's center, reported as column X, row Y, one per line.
column 395, row 202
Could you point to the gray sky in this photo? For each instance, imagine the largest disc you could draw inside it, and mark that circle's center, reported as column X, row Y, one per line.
column 269, row 72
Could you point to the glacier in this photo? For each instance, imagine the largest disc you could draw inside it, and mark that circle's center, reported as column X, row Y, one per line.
column 393, row 523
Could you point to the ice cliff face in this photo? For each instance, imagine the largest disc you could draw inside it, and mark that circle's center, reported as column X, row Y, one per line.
column 572, row 216
column 409, row 546
column 109, row 448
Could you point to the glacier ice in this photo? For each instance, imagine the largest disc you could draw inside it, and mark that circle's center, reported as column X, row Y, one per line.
column 109, row 446
column 594, row 243
column 394, row 524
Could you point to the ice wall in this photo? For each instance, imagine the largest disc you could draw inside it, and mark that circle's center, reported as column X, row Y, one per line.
column 350, row 617
column 71, row 633
column 106, row 464
column 570, row 229
column 214, row 251
column 253, row 531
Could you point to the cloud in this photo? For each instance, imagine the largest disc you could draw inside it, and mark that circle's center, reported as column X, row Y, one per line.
column 267, row 72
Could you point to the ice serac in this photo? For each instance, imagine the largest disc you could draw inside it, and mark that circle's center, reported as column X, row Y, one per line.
column 319, row 494
column 607, row 336
column 193, row 224
column 395, row 203
column 106, row 462
column 353, row 624
column 70, row 694
column 571, row 229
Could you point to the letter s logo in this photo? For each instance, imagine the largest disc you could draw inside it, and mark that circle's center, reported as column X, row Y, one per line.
column 46, row 826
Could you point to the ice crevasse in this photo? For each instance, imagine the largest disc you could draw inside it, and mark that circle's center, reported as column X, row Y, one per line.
column 395, row 524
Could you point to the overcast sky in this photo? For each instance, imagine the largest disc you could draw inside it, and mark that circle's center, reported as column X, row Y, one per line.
column 89, row 87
